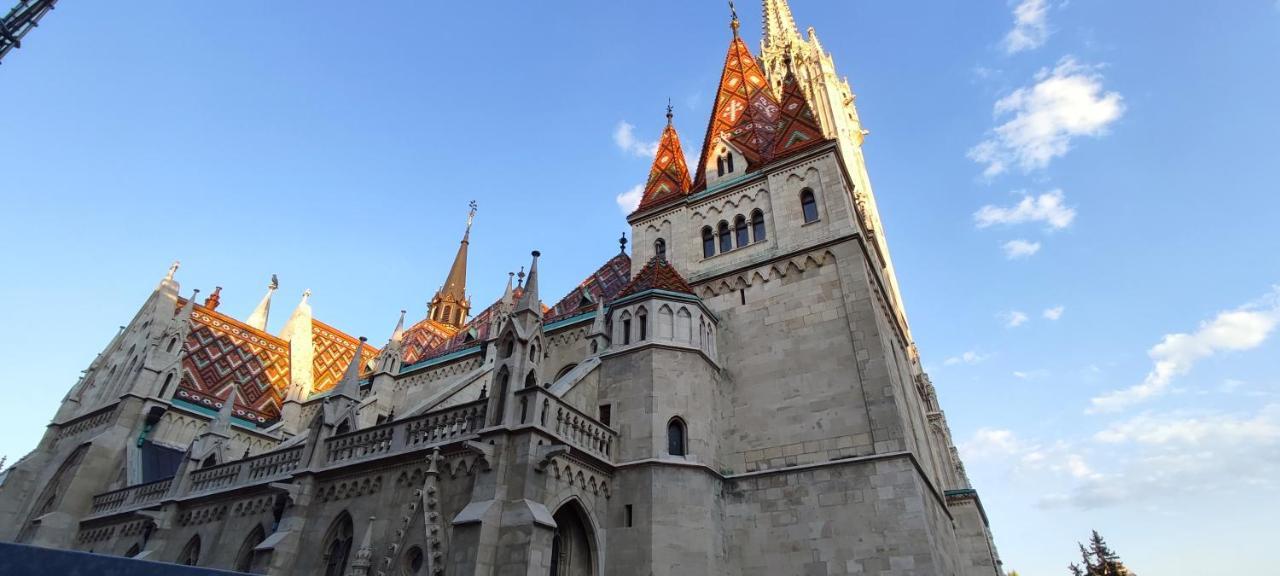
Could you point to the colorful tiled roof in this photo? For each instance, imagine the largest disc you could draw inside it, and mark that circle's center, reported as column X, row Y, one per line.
column 799, row 128
column 742, row 86
column 658, row 274
column 332, row 353
column 423, row 338
column 602, row 285
column 669, row 176
column 222, row 352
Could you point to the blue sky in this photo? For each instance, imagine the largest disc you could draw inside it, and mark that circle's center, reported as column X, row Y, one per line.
column 1079, row 195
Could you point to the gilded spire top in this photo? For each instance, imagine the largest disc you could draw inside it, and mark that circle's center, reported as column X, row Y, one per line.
column 733, row 23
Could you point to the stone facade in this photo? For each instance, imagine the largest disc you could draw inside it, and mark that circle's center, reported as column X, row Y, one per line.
column 745, row 399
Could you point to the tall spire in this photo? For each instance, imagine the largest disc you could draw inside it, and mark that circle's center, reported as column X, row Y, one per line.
column 350, row 385
column 450, row 305
column 779, row 26
column 529, row 298
column 669, row 175
column 258, row 319
column 744, row 109
column 397, row 335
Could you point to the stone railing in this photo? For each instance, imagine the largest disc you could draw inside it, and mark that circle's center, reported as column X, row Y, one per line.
column 90, row 421
column 412, row 434
column 274, row 464
column 214, row 477
column 137, row 496
column 538, row 406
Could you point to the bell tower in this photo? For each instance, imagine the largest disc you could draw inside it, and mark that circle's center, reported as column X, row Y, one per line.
column 450, row 306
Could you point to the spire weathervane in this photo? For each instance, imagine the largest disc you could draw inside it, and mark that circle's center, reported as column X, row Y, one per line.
column 622, row 243
column 734, row 22
column 471, row 216
column 669, row 114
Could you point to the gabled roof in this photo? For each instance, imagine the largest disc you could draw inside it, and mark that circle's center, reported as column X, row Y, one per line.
column 669, row 176
column 332, row 352
column 799, row 127
column 423, row 338
column 741, row 83
column 658, row 274
column 221, row 353
column 602, row 285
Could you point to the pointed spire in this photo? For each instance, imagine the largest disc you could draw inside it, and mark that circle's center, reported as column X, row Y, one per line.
column 669, row 175
column 397, row 335
column 508, row 295
column 779, row 26
column 360, row 566
column 222, row 424
column 454, row 291
column 173, row 269
column 185, row 313
column 350, row 385
column 529, row 298
column 258, row 319
column 743, row 109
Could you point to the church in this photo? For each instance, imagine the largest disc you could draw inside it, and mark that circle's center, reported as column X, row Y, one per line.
column 738, row 395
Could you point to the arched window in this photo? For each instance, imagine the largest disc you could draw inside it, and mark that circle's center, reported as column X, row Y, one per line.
column 708, row 242
column 757, row 226
column 448, row 313
column 503, row 378
column 209, row 462
column 191, row 552
column 626, row 328
column 675, row 437
column 660, row 249
column 244, row 558
column 508, row 345
column 728, row 161
column 168, row 379
column 531, row 379
column 720, row 166
column 533, row 351
column 740, row 231
column 337, row 546
column 809, row 206
column 642, row 317
column 172, row 342
column 726, row 240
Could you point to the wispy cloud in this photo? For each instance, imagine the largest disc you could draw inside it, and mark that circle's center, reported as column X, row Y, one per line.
column 630, row 200
column 1233, row 330
column 1015, row 249
column 1064, row 103
column 1013, row 318
column 624, row 136
column 1030, row 26
column 1048, row 208
column 970, row 357
column 1053, row 313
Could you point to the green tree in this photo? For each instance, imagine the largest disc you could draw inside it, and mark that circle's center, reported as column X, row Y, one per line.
column 1098, row 560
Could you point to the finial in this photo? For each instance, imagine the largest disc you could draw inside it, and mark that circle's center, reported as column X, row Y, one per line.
column 669, row 114
column 622, row 243
column 471, row 216
column 212, row 301
column 275, row 283
column 733, row 23
column 173, row 269
column 520, row 278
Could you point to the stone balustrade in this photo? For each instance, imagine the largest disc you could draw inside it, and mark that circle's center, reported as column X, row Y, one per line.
column 87, row 422
column 415, row 433
column 137, row 496
column 575, row 428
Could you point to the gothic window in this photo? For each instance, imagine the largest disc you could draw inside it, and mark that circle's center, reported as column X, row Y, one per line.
column 343, row 428
column 720, row 166
column 708, row 242
column 533, row 352
column 172, row 342
column 531, row 379
column 212, row 460
column 676, row 437
column 191, row 552
column 666, row 323
column 757, row 226
column 626, row 328
column 660, row 249
column 414, row 561
column 684, row 325
column 726, row 240
column 244, row 559
column 740, row 231
column 168, row 379
column 809, row 206
column 508, row 345
column 337, row 546
column 503, row 378
column 448, row 313
column 642, row 318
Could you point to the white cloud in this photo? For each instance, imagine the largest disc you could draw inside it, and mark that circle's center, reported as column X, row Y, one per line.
column 630, row 200
column 1047, row 208
column 1053, row 313
column 1030, row 26
column 1064, row 103
column 1015, row 249
column 1030, row 374
column 970, row 357
column 1172, row 455
column 1240, row 329
column 991, row 442
column 624, row 136
column 1013, row 318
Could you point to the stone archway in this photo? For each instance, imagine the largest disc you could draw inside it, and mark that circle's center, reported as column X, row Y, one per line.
column 573, row 551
